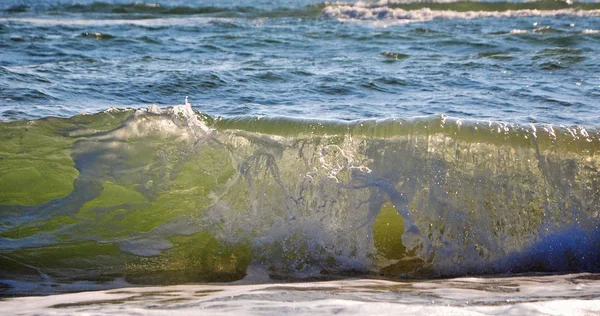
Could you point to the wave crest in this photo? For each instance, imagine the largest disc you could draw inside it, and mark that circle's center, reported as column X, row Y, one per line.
column 176, row 195
column 418, row 11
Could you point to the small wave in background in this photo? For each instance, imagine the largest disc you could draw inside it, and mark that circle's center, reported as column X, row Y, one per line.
column 419, row 11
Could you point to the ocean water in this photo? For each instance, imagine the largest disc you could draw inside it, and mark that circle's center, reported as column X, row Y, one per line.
column 514, row 62
column 517, row 295
column 422, row 156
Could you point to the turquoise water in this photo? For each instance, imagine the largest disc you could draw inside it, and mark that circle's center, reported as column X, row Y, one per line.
column 176, row 142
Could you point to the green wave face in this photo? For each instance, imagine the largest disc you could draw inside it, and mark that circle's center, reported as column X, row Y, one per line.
column 174, row 196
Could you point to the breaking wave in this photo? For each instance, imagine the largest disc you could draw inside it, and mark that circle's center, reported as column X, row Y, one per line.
column 418, row 11
column 171, row 196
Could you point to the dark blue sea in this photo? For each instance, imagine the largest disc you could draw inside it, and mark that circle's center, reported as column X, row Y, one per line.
column 507, row 61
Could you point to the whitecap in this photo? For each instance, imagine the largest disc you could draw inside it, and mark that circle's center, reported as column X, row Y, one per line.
column 358, row 12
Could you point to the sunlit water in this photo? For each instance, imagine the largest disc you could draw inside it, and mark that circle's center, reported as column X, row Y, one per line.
column 378, row 145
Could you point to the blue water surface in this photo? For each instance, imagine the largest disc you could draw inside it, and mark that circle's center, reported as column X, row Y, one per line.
column 291, row 58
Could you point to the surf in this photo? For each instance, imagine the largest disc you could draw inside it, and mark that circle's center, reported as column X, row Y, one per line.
column 162, row 196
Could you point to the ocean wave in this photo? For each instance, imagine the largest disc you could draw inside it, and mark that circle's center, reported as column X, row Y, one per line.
column 409, row 11
column 173, row 195
column 385, row 9
column 152, row 22
column 146, row 10
column 466, row 5
column 427, row 14
column 131, row 8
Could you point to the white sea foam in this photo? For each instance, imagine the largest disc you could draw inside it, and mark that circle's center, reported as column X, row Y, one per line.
column 195, row 20
column 525, row 295
column 188, row 126
column 381, row 3
column 361, row 12
column 517, row 31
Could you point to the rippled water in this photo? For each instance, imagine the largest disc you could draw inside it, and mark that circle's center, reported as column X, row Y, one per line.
column 304, row 59
column 270, row 182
